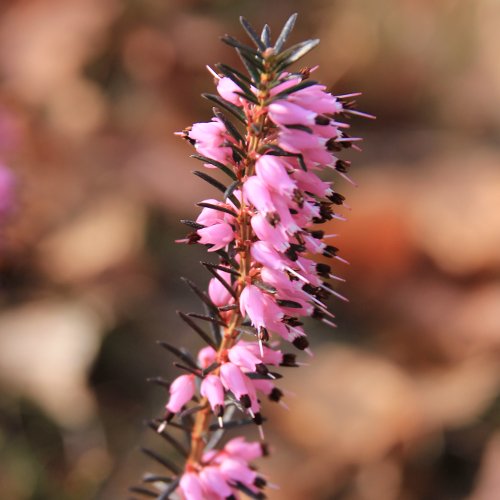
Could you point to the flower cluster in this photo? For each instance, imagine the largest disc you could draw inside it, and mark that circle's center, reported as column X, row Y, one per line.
column 221, row 471
column 272, row 269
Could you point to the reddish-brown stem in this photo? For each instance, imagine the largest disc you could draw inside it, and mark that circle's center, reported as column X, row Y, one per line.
column 254, row 137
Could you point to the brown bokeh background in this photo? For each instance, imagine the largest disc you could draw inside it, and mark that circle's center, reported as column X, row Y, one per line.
column 402, row 400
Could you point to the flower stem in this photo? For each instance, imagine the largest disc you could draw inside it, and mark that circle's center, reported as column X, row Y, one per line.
column 254, row 136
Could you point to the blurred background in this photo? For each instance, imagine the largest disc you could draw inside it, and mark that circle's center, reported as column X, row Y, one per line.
column 402, row 400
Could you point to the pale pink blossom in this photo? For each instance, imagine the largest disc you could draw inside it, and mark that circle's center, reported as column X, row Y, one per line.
column 181, row 391
column 218, row 235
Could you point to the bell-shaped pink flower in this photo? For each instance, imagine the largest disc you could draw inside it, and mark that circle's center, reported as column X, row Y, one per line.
column 257, row 193
column 181, row 391
column 243, row 357
column 316, row 99
column 206, row 356
column 263, row 252
column 287, row 113
column 275, row 235
column 310, row 182
column 218, row 235
column 264, row 353
column 212, row 389
column 209, row 216
column 235, row 470
column 214, row 480
column 271, row 170
column 191, row 487
column 227, row 89
column 212, row 133
column 244, row 450
column 259, row 306
column 234, row 380
column 218, row 293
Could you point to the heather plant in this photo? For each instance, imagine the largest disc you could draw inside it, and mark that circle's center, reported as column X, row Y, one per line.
column 274, row 131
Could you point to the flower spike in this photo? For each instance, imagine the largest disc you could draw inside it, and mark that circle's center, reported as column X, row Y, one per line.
column 274, row 130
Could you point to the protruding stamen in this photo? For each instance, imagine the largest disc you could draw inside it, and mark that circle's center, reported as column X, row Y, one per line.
column 329, row 323
column 333, row 292
column 213, row 73
column 342, row 260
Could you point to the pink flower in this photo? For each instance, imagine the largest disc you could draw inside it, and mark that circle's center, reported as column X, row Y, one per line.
column 212, row 389
column 206, row 356
column 215, row 481
column 259, row 306
column 191, row 487
column 273, row 172
column 277, row 235
column 288, row 113
column 244, row 450
column 244, row 358
column 181, row 391
column 257, row 193
column 218, row 293
column 218, row 235
column 209, row 216
column 234, row 380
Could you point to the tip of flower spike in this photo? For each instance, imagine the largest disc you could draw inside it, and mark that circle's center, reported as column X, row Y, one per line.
column 162, row 427
column 221, row 422
column 309, row 352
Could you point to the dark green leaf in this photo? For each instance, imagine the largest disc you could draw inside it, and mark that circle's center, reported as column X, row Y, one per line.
column 209, row 369
column 285, row 32
column 221, row 280
column 217, row 207
column 191, row 411
column 294, row 53
column 143, row 491
column 188, row 369
column 159, row 381
column 288, row 303
column 184, row 356
column 153, row 478
column 233, row 424
column 224, row 68
column 266, row 287
column 266, row 36
column 206, row 317
column 171, row 488
column 214, row 328
column 232, row 42
column 170, row 439
column 200, row 294
column 215, row 163
column 197, row 329
column 225, row 269
column 302, row 85
column 162, row 460
column 252, row 68
column 228, row 193
column 228, row 106
column 252, row 34
column 298, row 126
column 214, row 182
column 192, row 223
column 233, row 131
